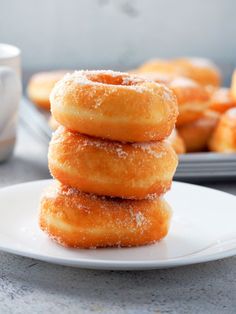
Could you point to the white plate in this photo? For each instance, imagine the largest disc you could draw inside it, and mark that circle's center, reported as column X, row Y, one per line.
column 203, row 229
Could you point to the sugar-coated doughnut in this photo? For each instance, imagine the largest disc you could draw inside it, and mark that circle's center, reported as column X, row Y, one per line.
column 177, row 142
column 200, row 70
column 196, row 134
column 93, row 165
column 40, row 86
column 76, row 219
column 114, row 105
column 193, row 99
column 233, row 86
column 221, row 100
column 168, row 67
column 224, row 136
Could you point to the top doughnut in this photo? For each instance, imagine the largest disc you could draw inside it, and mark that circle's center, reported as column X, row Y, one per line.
column 114, row 105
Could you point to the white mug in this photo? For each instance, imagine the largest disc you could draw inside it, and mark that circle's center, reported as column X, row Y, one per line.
column 10, row 95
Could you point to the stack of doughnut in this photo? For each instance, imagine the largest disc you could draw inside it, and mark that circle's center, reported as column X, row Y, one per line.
column 204, row 107
column 112, row 161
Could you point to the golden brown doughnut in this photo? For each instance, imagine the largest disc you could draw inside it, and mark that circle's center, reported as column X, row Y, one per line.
column 197, row 133
column 177, row 142
column 224, row 136
column 93, row 165
column 193, row 99
column 221, row 100
column 160, row 66
column 40, row 86
column 201, row 70
column 76, row 219
column 114, row 105
column 233, row 86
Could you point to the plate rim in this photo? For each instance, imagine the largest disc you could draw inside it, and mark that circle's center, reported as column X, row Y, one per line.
column 123, row 265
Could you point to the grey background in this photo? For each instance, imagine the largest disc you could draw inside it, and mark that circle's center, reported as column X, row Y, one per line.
column 117, row 34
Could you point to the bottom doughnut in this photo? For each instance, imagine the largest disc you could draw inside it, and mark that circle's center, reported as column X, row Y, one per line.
column 76, row 219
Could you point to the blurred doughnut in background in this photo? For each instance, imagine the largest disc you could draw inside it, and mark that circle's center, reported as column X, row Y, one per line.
column 192, row 99
column 40, row 86
column 221, row 100
column 201, row 70
column 197, row 133
column 224, row 136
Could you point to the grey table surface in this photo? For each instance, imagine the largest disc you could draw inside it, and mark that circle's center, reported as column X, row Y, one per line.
column 31, row 286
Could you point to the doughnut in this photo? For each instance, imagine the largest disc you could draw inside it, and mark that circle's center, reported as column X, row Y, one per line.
column 162, row 66
column 103, row 167
column 40, row 86
column 203, row 71
column 197, row 133
column 233, row 86
column 53, row 124
column 79, row 220
column 177, row 142
column 114, row 105
column 193, row 99
column 224, row 136
column 221, row 100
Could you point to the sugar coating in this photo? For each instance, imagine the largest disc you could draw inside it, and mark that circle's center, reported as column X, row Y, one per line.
column 152, row 197
column 149, row 148
column 127, row 81
column 154, row 149
column 183, row 82
column 167, row 95
column 86, row 77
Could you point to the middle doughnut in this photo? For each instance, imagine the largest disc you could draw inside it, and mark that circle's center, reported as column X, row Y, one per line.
column 134, row 171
